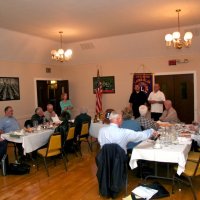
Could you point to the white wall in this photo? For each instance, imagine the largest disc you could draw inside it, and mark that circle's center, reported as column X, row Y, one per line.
column 26, row 57
column 121, row 56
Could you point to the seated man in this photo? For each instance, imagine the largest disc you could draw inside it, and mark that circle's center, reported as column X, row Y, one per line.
column 121, row 136
column 38, row 117
column 144, row 121
column 169, row 114
column 130, row 123
column 49, row 113
column 83, row 117
column 8, row 123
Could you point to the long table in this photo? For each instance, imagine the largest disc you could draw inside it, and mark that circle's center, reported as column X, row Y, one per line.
column 30, row 141
column 95, row 127
column 174, row 153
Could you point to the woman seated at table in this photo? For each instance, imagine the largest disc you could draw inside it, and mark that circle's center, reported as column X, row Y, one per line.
column 107, row 114
column 131, row 124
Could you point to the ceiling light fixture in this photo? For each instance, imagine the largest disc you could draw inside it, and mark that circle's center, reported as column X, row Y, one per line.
column 60, row 54
column 175, row 40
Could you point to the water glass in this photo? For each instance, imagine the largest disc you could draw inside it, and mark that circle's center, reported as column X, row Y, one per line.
column 35, row 124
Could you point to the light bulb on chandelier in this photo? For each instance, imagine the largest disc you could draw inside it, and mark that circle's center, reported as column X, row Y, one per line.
column 60, row 54
column 175, row 40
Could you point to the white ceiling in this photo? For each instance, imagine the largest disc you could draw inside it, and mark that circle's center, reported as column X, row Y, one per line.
column 88, row 19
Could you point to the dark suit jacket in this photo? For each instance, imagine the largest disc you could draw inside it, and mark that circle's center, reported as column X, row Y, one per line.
column 112, row 170
column 83, row 117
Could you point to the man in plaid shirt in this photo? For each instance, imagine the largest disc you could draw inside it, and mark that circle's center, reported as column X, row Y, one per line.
column 145, row 122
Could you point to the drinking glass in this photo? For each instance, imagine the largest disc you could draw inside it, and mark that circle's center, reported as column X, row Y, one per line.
column 35, row 124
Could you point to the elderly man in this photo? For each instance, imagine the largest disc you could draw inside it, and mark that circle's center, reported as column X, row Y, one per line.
column 38, row 117
column 49, row 113
column 144, row 121
column 137, row 98
column 120, row 136
column 169, row 114
column 156, row 99
column 8, row 123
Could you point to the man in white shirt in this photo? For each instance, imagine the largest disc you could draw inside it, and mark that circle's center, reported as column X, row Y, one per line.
column 156, row 99
column 121, row 136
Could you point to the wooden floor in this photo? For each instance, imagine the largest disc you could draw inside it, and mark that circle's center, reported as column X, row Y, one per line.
column 78, row 183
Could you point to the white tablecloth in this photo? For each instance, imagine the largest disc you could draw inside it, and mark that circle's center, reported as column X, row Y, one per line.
column 196, row 138
column 175, row 153
column 95, row 127
column 31, row 141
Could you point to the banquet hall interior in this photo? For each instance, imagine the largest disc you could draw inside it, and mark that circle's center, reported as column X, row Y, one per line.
column 115, row 38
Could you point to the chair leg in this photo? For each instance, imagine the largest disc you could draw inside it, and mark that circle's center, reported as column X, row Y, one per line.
column 37, row 163
column 79, row 147
column 192, row 188
column 64, row 161
column 45, row 164
column 90, row 147
column 173, row 184
column 126, row 180
column 15, row 151
column 54, row 159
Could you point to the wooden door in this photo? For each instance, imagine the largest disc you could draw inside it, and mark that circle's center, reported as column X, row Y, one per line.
column 179, row 89
column 48, row 92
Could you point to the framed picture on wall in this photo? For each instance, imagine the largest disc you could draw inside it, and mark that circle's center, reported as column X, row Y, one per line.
column 108, row 84
column 9, row 88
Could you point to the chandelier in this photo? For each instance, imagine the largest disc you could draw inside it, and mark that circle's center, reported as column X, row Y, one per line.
column 60, row 54
column 175, row 40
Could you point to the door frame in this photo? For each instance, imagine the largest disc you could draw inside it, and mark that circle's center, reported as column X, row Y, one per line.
column 195, row 85
column 42, row 79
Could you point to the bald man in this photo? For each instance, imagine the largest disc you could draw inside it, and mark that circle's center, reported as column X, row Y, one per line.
column 169, row 114
column 121, row 136
column 49, row 113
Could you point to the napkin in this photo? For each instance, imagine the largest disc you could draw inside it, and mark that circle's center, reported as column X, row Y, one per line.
column 56, row 119
column 144, row 192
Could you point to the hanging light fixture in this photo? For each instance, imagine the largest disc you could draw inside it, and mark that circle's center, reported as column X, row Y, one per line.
column 175, row 40
column 60, row 54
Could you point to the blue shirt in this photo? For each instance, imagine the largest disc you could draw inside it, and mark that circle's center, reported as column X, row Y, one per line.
column 131, row 124
column 8, row 124
column 121, row 136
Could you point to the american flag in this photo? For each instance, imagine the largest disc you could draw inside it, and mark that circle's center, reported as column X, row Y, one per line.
column 98, row 94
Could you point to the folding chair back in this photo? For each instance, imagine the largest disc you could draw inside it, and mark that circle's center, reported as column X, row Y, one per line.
column 54, row 146
column 84, row 129
column 70, row 134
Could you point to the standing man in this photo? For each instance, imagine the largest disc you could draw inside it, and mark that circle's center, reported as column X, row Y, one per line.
column 8, row 123
column 156, row 100
column 137, row 99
